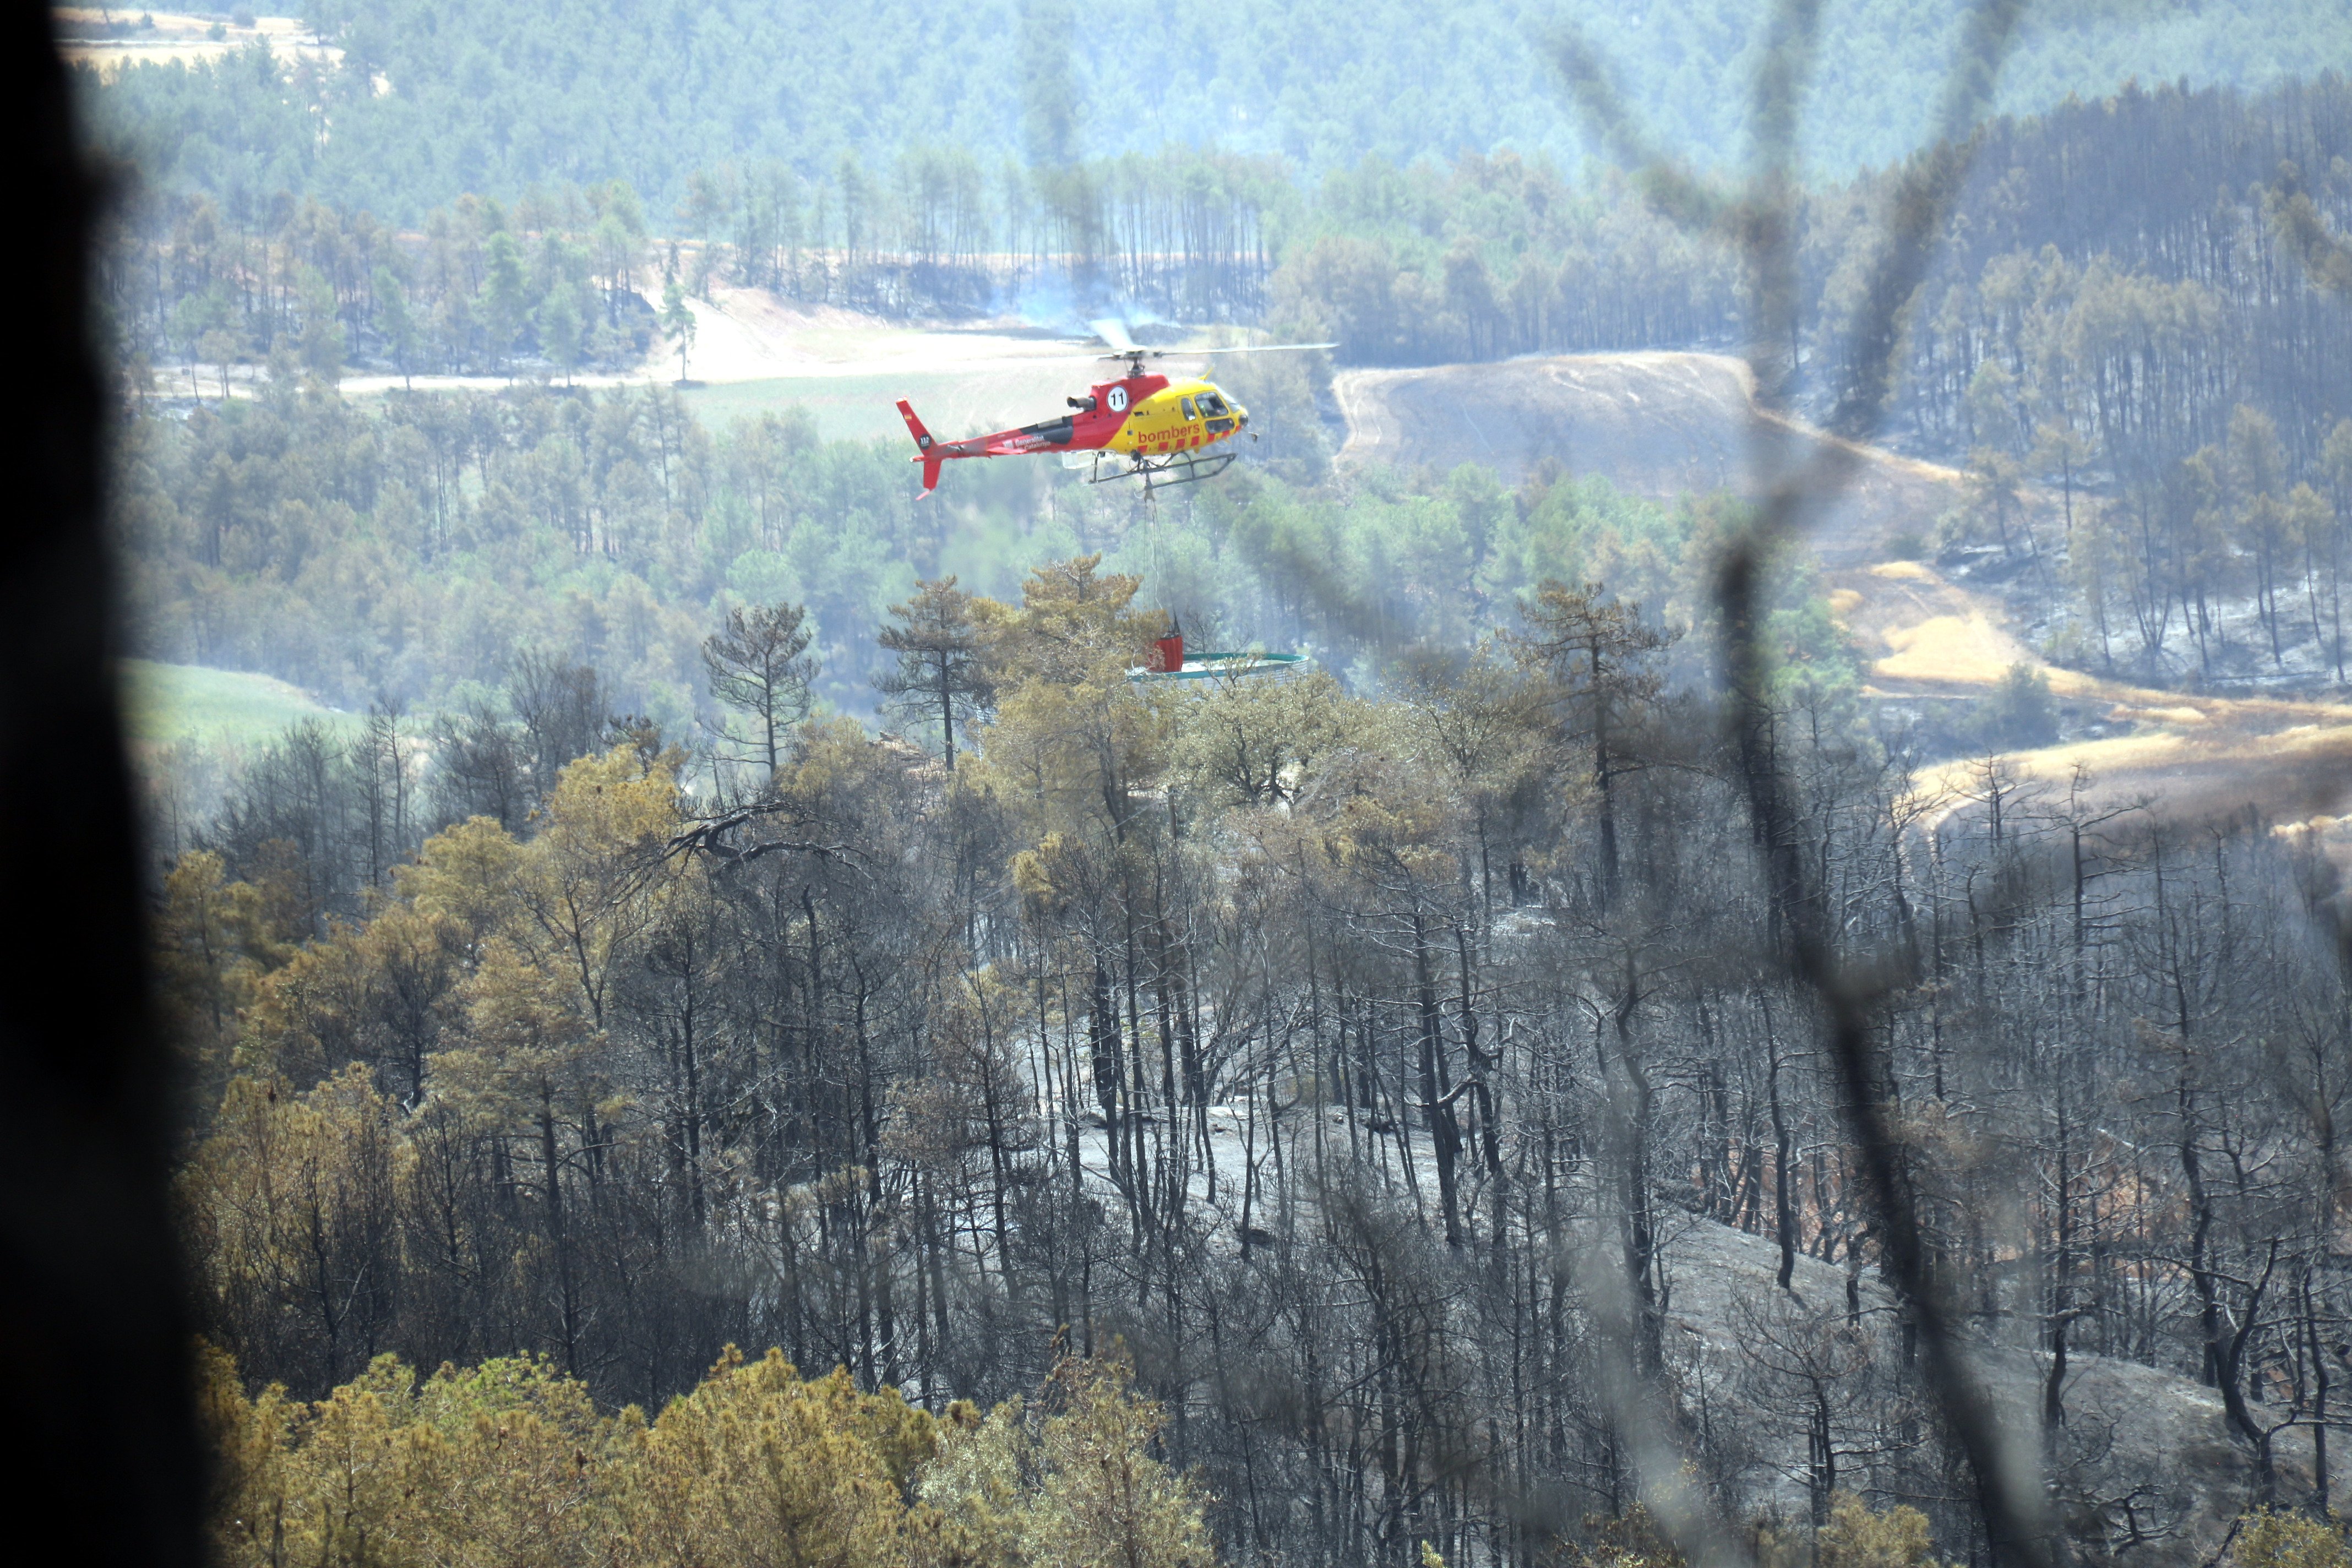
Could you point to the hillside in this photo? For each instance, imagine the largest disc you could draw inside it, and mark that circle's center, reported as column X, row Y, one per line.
column 1365, row 1007
column 2130, row 1432
column 1622, row 1046
column 1657, row 425
column 1661, row 425
column 429, row 101
column 2142, row 1458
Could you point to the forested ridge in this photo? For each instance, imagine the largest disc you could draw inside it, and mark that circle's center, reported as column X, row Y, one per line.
column 1478, row 258
column 431, row 101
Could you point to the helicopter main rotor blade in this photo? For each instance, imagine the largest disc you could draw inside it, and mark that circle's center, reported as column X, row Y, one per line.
column 1235, row 349
column 1254, row 349
column 1122, row 344
column 994, row 362
column 1140, row 354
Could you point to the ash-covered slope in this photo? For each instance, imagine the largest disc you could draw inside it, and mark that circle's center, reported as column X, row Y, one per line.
column 2142, row 1468
column 2142, row 1465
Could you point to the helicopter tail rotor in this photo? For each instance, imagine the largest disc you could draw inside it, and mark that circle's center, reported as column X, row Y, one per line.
column 923, row 447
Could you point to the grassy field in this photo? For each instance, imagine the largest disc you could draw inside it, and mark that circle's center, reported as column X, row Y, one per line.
column 174, row 702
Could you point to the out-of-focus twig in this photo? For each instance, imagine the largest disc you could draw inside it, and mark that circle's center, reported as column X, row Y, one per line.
column 1792, row 491
column 1795, row 493
column 1760, row 223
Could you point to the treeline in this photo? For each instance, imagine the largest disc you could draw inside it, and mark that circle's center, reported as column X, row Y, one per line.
column 429, row 101
column 399, row 550
column 552, row 286
column 510, row 1462
column 2175, row 384
column 559, row 282
column 2181, row 359
column 2114, row 263
column 1418, row 265
column 420, row 552
column 2123, row 318
column 1186, row 233
column 1336, row 1053
column 2111, row 271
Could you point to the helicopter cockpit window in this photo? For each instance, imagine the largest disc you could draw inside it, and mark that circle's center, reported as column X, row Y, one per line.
column 1188, row 409
column 1212, row 406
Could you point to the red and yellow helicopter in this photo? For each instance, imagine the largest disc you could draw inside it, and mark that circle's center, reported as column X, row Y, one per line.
column 1163, row 430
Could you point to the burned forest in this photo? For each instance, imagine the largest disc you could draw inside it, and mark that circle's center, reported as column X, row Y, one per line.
column 1662, row 885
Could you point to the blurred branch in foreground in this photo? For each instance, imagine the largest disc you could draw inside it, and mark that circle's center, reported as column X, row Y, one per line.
column 1762, row 224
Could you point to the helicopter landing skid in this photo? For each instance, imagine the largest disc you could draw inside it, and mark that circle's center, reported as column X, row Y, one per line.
column 1161, row 473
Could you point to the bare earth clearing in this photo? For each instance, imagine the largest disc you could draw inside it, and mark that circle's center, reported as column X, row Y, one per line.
column 1661, row 425
column 181, row 36
column 1657, row 425
column 754, row 353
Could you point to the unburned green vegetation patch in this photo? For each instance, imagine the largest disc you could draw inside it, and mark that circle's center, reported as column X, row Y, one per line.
column 169, row 703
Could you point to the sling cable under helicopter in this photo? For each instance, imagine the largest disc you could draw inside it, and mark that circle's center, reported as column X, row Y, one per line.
column 1163, row 430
